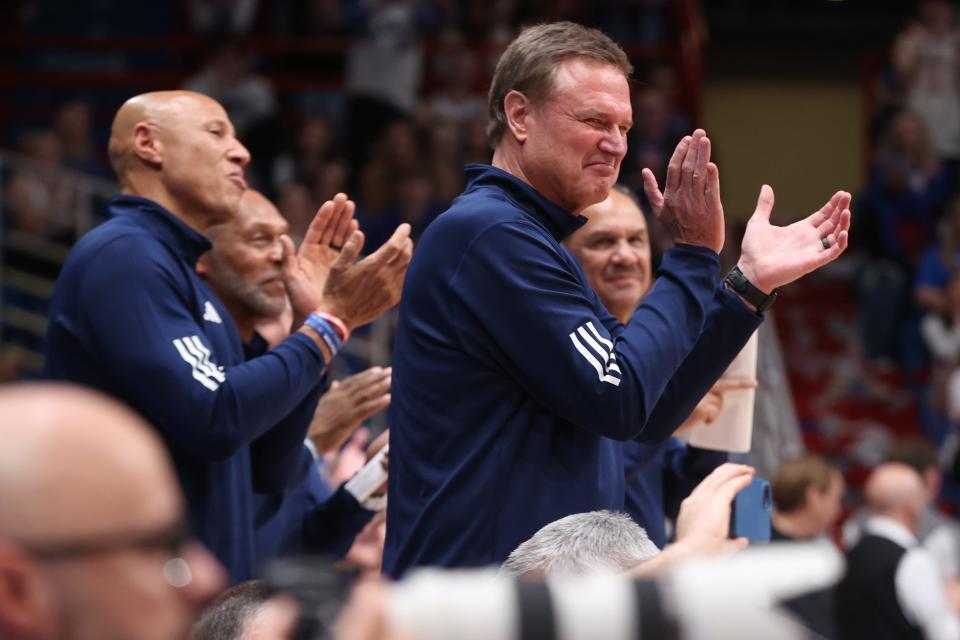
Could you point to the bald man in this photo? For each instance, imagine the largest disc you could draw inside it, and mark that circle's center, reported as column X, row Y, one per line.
column 92, row 537
column 130, row 316
column 892, row 588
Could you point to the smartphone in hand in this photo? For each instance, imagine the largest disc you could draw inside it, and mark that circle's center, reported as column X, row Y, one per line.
column 750, row 512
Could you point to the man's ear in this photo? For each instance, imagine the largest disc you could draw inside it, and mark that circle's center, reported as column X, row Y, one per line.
column 146, row 144
column 22, row 613
column 203, row 265
column 517, row 107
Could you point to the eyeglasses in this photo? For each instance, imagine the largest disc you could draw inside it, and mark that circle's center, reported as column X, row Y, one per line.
column 170, row 539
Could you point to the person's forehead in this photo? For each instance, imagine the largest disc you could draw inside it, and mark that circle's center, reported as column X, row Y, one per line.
column 256, row 212
column 617, row 211
column 590, row 83
column 197, row 109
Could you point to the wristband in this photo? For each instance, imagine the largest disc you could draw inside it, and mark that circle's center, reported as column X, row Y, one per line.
column 337, row 324
column 326, row 332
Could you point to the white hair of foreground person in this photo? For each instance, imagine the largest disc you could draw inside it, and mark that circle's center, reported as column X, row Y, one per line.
column 582, row 543
column 720, row 598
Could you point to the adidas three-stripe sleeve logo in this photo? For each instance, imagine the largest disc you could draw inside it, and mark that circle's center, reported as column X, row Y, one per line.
column 193, row 351
column 598, row 351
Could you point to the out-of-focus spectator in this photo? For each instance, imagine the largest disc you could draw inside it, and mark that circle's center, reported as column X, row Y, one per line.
column 222, row 17
column 476, row 142
column 907, row 191
column 938, row 533
column 227, row 76
column 445, row 163
column 41, row 199
column 807, row 498
column 582, row 543
column 312, row 147
column 394, row 154
column 941, row 334
column 927, row 61
column 331, row 178
column 654, row 135
column 454, row 98
column 938, row 262
column 607, row 541
column 384, row 67
column 233, row 615
column 92, row 529
column 807, row 493
column 313, row 18
column 892, row 588
column 297, row 206
column 74, row 127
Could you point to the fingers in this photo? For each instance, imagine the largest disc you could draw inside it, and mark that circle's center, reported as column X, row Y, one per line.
column 712, row 190
column 725, row 473
column 346, row 223
column 676, row 164
column 358, row 441
column 370, row 407
column 320, row 231
column 288, row 265
column 733, row 545
column 700, row 166
column 837, row 240
column 830, row 211
column 398, row 247
column 689, row 164
column 764, row 204
column 366, row 378
column 652, row 191
column 350, row 251
column 379, row 443
column 733, row 384
column 826, row 211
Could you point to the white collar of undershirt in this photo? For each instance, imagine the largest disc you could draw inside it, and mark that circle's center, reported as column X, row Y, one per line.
column 891, row 530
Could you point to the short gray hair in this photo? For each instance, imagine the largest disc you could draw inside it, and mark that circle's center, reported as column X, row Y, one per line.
column 581, row 543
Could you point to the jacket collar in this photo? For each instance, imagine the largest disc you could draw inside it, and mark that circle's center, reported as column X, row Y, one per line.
column 170, row 230
column 560, row 222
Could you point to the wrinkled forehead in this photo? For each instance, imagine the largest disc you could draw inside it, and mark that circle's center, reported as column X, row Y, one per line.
column 582, row 78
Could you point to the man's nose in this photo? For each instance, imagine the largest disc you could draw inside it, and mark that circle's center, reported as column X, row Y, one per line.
column 614, row 143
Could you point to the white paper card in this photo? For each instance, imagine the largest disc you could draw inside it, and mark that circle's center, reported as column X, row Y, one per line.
column 733, row 428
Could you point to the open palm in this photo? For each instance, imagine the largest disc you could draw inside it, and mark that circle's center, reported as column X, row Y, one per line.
column 772, row 256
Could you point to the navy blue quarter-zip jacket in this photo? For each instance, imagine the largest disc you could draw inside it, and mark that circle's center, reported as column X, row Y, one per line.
column 511, row 381
column 130, row 317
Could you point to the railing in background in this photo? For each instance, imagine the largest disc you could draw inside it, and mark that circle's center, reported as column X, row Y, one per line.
column 43, row 209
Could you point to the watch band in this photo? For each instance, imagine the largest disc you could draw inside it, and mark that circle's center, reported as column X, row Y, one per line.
column 739, row 283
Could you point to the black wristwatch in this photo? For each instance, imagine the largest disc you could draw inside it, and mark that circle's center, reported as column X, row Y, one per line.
column 739, row 283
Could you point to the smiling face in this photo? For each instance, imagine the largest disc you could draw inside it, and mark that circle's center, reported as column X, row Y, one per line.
column 614, row 250
column 244, row 266
column 577, row 136
column 202, row 161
